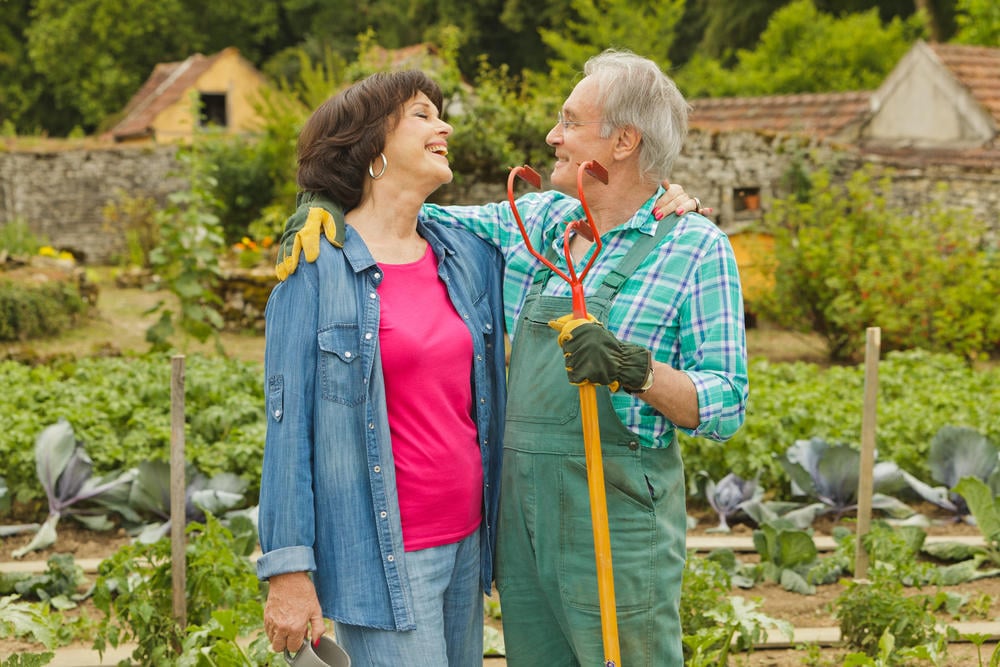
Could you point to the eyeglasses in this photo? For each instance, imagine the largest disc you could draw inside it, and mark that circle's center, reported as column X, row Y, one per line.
column 566, row 124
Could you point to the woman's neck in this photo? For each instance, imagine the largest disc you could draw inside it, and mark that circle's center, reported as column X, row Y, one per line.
column 389, row 229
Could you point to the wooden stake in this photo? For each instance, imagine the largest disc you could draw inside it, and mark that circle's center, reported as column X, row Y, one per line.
column 178, row 513
column 867, row 465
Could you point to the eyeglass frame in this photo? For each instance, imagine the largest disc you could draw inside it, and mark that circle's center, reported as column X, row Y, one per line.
column 566, row 124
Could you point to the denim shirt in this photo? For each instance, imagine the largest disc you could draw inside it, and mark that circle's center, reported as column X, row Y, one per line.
column 328, row 501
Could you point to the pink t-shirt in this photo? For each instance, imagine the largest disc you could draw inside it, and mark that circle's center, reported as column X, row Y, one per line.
column 427, row 362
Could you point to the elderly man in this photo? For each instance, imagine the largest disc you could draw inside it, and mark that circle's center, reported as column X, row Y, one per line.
column 667, row 345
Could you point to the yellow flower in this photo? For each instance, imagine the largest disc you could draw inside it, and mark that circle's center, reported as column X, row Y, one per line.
column 47, row 251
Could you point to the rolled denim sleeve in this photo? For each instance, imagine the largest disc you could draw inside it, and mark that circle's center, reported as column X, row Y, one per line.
column 286, row 514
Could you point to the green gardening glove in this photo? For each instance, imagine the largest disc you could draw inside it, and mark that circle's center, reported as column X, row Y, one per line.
column 595, row 356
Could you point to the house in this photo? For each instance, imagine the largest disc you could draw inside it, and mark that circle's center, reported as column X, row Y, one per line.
column 202, row 91
column 935, row 119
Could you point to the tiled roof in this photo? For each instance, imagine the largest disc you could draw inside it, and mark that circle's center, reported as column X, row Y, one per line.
column 167, row 84
column 817, row 114
column 978, row 69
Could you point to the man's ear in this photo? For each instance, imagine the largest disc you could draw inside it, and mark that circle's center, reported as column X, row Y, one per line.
column 629, row 139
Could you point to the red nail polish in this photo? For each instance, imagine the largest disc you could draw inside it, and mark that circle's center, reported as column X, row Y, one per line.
column 680, row 211
column 657, row 215
column 316, row 642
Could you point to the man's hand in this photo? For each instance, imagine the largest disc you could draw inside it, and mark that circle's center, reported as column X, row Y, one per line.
column 292, row 609
column 594, row 355
column 675, row 200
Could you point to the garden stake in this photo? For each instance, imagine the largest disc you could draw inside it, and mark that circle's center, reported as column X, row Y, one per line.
column 588, row 398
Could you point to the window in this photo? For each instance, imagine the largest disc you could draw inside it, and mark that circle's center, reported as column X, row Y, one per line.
column 213, row 109
column 746, row 199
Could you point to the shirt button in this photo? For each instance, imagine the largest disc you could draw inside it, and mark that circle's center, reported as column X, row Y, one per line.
column 371, row 427
column 377, row 275
column 633, row 445
column 482, row 401
column 277, row 414
column 377, row 468
column 347, row 355
column 390, row 558
column 383, row 514
column 368, row 336
column 371, row 295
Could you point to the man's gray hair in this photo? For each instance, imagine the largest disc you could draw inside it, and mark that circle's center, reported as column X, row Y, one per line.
column 636, row 92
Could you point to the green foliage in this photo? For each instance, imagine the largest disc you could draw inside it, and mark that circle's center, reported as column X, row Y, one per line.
column 978, row 22
column 714, row 623
column 847, row 260
column 121, row 408
column 501, row 125
column 783, row 409
column 187, row 259
column 31, row 311
column 133, row 591
column 786, row 555
column 135, row 219
column 803, row 50
column 17, row 238
column 865, row 611
column 645, row 28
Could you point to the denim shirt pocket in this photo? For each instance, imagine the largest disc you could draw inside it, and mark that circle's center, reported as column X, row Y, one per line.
column 342, row 372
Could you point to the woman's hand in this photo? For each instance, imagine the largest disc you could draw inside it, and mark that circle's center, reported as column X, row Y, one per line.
column 675, row 200
column 292, row 611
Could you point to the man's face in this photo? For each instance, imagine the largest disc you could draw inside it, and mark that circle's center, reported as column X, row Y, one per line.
column 576, row 138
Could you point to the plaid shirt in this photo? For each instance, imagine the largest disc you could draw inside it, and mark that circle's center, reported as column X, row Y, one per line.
column 683, row 302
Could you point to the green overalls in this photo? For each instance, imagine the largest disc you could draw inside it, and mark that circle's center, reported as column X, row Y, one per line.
column 546, row 572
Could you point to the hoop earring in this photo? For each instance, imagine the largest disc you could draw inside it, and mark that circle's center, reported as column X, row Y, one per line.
column 371, row 172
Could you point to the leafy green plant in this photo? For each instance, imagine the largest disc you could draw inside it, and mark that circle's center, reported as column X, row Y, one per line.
column 715, row 623
column 64, row 469
column 786, row 555
column 867, row 610
column 23, row 619
column 957, row 452
column 186, row 261
column 985, row 509
column 133, row 591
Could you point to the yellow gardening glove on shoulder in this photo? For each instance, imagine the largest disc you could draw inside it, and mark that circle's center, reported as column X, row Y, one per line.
column 307, row 240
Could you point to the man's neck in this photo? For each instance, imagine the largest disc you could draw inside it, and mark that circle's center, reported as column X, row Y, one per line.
column 611, row 206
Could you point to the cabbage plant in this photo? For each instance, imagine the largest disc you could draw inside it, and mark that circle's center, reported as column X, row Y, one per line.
column 65, row 472
column 957, row 452
column 729, row 496
column 829, row 475
column 150, row 497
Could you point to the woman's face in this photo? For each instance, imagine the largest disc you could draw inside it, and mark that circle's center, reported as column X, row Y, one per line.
column 417, row 147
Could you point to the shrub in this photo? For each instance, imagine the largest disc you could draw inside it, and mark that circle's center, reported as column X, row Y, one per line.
column 845, row 260
column 29, row 311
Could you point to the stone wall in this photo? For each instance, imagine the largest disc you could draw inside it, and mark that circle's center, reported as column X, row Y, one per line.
column 62, row 193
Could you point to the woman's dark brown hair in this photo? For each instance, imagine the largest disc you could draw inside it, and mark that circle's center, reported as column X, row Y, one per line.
column 345, row 133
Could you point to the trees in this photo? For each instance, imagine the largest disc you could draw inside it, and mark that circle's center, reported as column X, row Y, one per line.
column 804, row 50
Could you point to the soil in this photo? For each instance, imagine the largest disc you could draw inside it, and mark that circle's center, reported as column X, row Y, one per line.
column 118, row 326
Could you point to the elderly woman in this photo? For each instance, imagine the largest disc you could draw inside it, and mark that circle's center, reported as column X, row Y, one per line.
column 384, row 378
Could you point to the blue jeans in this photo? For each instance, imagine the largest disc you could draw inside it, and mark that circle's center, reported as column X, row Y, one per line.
column 448, row 608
